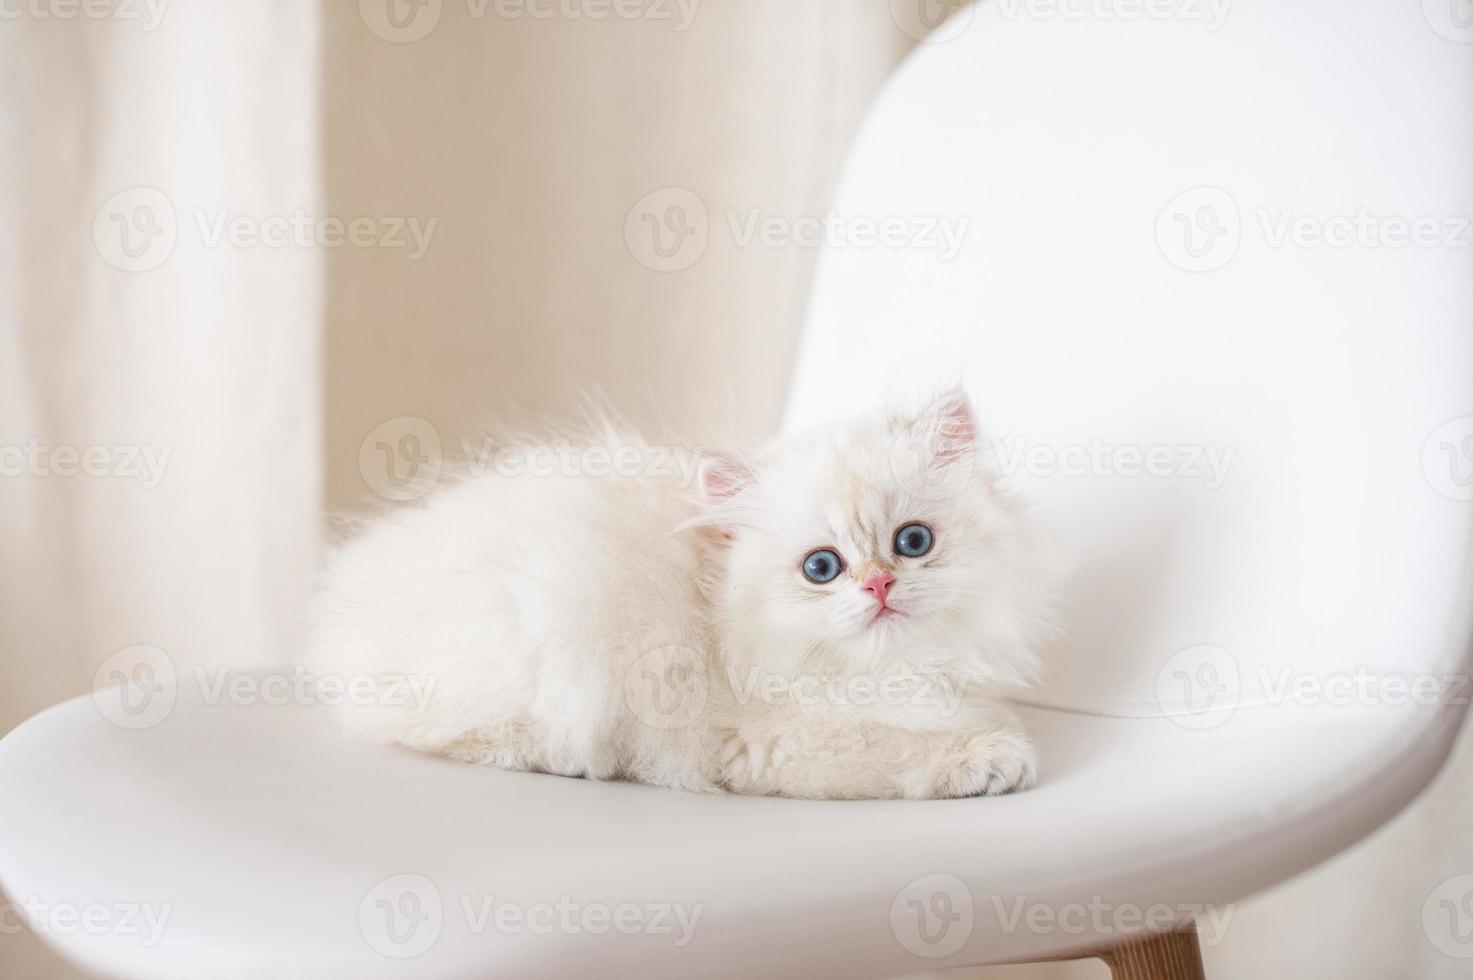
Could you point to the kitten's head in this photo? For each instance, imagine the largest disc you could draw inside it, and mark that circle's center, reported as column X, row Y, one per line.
column 880, row 544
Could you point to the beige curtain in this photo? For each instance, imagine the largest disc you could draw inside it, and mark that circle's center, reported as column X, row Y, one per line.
column 160, row 434
column 159, row 428
column 240, row 252
column 544, row 148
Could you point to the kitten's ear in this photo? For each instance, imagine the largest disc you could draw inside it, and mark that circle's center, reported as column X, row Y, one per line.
column 949, row 426
column 722, row 477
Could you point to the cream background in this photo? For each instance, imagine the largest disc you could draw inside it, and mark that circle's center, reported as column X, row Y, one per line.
column 529, row 142
column 212, row 356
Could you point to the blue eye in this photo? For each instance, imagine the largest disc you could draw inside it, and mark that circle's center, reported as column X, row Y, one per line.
column 822, row 566
column 913, row 540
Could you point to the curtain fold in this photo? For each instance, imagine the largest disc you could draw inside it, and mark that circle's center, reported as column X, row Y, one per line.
column 160, row 394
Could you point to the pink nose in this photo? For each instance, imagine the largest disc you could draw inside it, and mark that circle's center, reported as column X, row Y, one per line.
column 878, row 584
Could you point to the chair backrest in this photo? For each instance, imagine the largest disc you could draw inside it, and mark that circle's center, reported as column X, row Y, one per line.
column 1208, row 273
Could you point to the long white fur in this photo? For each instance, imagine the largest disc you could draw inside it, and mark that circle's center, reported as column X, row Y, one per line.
column 533, row 608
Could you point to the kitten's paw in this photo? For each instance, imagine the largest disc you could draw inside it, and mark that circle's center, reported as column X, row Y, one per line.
column 746, row 763
column 988, row 765
column 733, row 750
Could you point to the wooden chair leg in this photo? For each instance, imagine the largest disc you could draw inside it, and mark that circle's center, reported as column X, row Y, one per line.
column 1161, row 956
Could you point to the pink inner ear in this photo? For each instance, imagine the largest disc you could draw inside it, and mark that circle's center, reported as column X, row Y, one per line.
column 723, row 477
column 955, row 428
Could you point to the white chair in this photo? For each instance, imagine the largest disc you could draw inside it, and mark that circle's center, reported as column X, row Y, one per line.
column 1205, row 730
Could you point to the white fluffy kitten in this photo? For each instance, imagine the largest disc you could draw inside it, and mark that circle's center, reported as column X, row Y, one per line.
column 833, row 617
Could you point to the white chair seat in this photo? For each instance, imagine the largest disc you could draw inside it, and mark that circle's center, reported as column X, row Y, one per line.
column 263, row 832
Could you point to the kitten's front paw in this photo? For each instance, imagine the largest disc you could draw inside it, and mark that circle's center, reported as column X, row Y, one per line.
column 987, row 765
column 748, row 763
